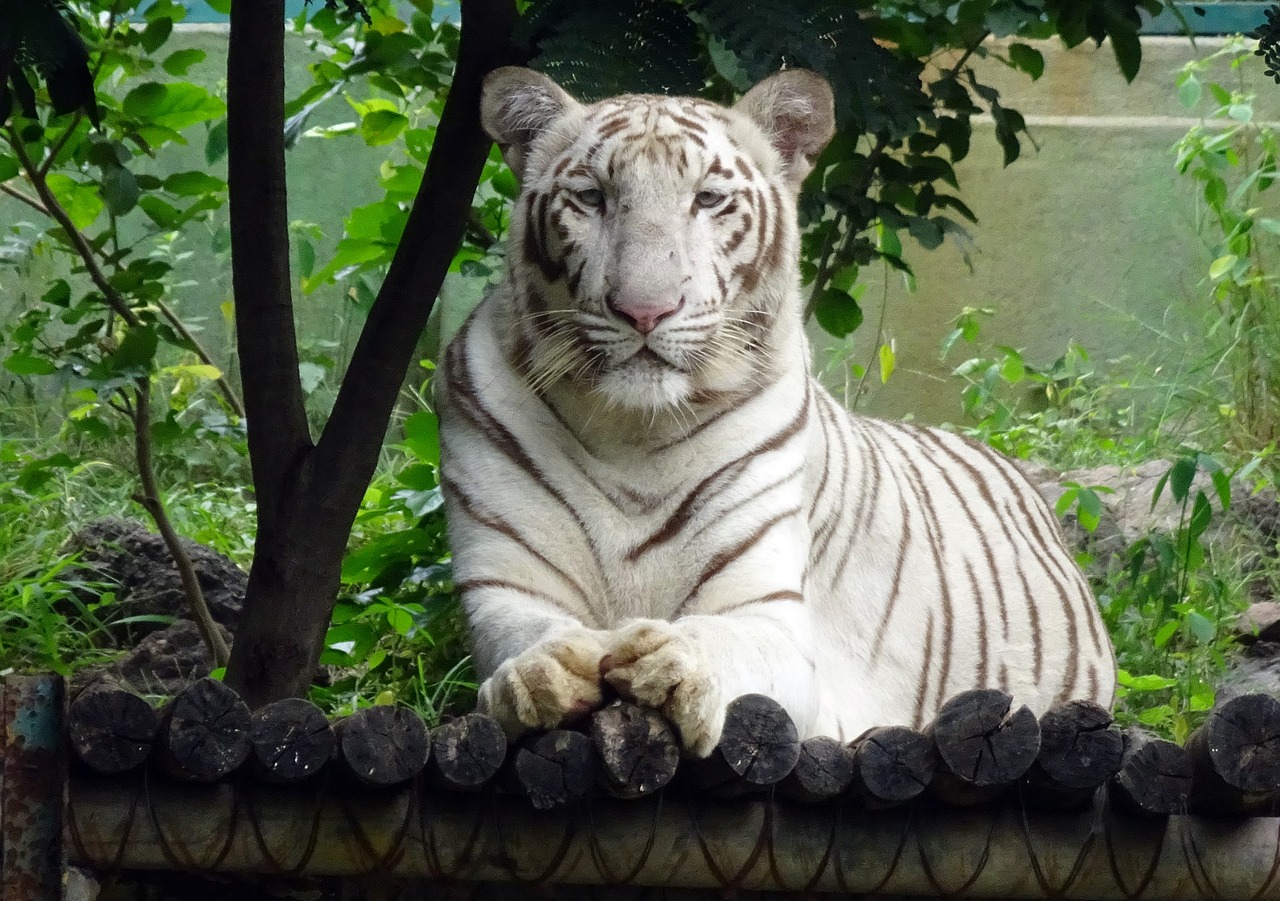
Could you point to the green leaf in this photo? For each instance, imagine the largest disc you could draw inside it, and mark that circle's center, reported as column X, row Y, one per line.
column 1181, row 475
column 888, row 360
column 155, row 34
column 422, row 436
column 1189, row 91
column 120, row 190
column 1201, row 515
column 1089, row 510
column 215, row 145
column 1155, row 716
column 174, row 106
column 1126, row 47
column 400, row 620
column 311, row 375
column 1146, row 683
column 1222, row 265
column 58, row 295
column 1202, row 629
column 504, row 182
column 137, row 349
column 82, row 202
column 1013, row 369
column 178, row 62
column 163, row 214
column 189, row 184
column 382, row 127
column 1028, row 59
column 8, row 167
column 837, row 312
column 21, row 363
column 1064, row 502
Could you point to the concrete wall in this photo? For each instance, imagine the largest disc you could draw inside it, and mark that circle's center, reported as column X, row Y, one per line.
column 1092, row 237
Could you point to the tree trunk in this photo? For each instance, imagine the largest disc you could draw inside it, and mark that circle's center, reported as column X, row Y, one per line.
column 308, row 496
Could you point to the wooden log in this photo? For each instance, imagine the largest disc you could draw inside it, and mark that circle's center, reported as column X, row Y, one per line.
column 383, row 745
column 111, row 730
column 1235, row 757
column 204, row 732
column 758, row 747
column 466, row 753
column 292, row 740
column 1154, row 779
column 984, row 745
column 1079, row 753
column 823, row 772
column 637, row 748
column 552, row 769
column 891, row 765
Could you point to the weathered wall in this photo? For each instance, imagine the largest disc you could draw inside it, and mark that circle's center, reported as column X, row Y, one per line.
column 1092, row 237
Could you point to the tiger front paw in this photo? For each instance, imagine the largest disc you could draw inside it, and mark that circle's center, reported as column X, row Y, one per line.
column 550, row 685
column 653, row 664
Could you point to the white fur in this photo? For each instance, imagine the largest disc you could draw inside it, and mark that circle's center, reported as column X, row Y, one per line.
column 552, row 487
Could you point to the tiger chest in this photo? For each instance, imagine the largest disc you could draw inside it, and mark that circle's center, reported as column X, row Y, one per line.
column 671, row 533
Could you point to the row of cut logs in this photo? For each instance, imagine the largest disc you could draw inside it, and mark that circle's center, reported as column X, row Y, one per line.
column 979, row 749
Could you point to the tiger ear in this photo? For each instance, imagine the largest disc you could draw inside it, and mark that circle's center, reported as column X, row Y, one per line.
column 517, row 105
column 796, row 111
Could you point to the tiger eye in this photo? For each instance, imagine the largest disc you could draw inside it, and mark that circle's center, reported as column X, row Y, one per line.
column 592, row 197
column 708, row 199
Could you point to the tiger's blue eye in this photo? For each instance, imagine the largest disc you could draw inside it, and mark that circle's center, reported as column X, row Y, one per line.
column 592, row 197
column 708, row 199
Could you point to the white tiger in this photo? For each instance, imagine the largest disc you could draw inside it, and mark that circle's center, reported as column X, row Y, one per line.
column 648, row 490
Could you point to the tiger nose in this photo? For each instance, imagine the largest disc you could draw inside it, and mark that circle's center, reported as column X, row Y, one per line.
column 643, row 313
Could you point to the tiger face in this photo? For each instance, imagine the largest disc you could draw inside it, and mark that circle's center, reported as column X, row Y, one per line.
column 656, row 236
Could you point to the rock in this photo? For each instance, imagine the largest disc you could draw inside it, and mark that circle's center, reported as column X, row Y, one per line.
column 124, row 554
column 162, row 664
column 1128, row 513
column 1259, row 624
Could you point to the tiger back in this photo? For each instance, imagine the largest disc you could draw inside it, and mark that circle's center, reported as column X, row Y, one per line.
column 648, row 491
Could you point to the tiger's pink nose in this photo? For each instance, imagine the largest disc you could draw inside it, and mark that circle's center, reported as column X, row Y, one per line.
column 644, row 312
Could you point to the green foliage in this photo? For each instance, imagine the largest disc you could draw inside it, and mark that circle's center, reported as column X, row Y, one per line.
column 397, row 633
column 1065, row 414
column 1232, row 158
column 1167, row 606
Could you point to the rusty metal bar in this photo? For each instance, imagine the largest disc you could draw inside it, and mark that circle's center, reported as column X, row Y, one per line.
column 33, row 790
column 748, row 844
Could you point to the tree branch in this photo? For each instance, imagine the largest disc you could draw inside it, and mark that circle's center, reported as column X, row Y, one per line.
column 348, row 448
column 25, row 198
column 279, row 438
column 86, row 252
column 151, row 500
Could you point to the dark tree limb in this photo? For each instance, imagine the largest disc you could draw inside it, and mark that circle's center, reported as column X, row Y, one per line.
column 266, row 340
column 309, row 496
column 153, row 502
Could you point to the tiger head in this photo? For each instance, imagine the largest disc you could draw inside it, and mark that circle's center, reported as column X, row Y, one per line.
column 652, row 251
